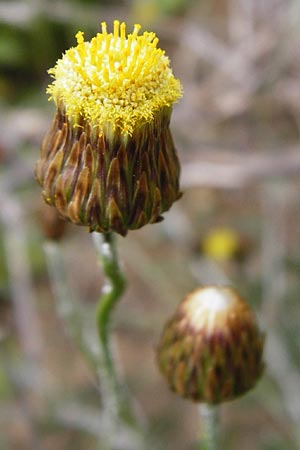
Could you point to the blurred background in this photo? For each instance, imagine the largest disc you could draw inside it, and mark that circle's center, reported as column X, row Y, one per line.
column 237, row 132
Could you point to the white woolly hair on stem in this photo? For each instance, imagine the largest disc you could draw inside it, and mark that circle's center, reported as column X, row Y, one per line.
column 209, row 422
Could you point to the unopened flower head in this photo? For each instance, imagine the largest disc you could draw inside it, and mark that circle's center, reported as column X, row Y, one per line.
column 211, row 349
column 109, row 161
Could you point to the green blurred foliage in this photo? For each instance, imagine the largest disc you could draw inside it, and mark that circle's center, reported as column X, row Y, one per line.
column 3, row 269
column 27, row 53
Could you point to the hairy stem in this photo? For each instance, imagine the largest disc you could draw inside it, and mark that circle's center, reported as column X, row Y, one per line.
column 111, row 293
column 209, row 427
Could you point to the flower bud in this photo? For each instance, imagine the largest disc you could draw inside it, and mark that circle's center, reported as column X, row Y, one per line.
column 211, row 349
column 109, row 161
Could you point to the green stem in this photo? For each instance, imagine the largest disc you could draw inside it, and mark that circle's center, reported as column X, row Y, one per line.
column 111, row 293
column 209, row 427
column 118, row 405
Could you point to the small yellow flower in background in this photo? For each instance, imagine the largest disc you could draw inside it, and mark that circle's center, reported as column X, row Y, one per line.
column 109, row 161
column 211, row 350
column 221, row 244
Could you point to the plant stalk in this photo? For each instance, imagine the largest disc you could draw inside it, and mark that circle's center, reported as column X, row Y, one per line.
column 111, row 293
column 209, row 427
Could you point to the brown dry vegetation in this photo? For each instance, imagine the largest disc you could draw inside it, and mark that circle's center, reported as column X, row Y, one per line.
column 237, row 132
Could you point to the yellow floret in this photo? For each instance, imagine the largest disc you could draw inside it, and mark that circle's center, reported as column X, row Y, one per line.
column 114, row 80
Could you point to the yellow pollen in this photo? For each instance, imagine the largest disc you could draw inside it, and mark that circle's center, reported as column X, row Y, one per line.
column 115, row 80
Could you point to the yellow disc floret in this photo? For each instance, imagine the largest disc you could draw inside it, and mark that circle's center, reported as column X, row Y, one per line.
column 116, row 80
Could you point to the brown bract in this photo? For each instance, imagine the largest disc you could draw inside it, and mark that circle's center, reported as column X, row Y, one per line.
column 109, row 182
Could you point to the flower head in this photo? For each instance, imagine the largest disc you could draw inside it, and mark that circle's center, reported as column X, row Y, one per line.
column 211, row 349
column 109, row 161
column 115, row 80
